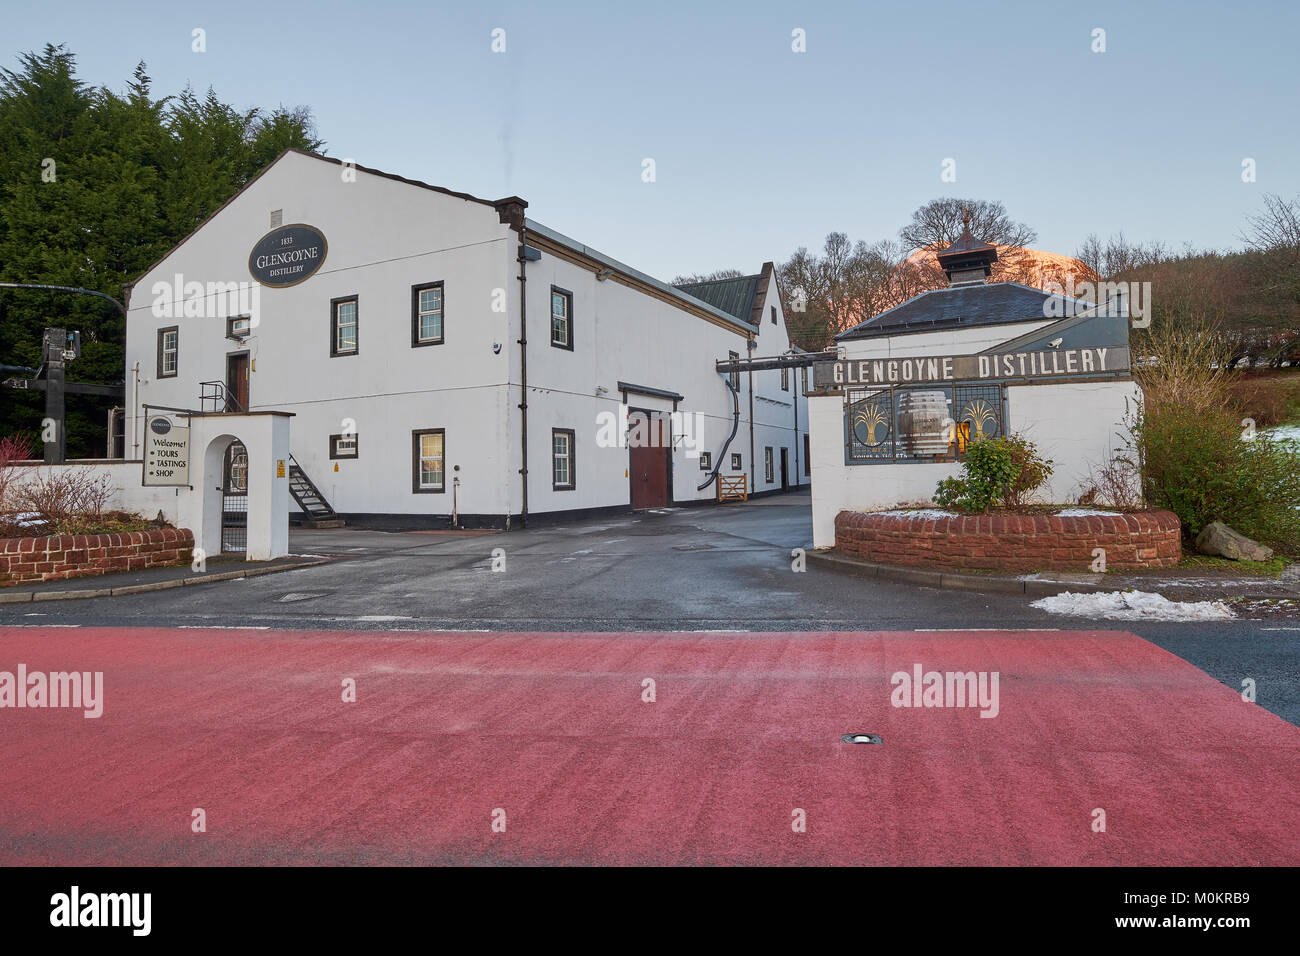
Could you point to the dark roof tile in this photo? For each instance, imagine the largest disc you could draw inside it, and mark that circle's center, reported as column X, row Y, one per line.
column 993, row 303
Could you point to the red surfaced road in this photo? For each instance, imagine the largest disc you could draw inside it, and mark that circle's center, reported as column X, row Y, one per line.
column 552, row 729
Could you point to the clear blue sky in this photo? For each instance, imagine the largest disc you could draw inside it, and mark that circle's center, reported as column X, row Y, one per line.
column 758, row 149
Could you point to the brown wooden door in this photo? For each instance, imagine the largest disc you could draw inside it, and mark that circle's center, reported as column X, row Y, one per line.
column 237, row 382
column 649, row 444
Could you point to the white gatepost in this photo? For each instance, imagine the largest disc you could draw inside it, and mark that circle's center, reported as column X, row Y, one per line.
column 265, row 436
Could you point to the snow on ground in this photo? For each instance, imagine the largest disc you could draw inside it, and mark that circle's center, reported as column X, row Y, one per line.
column 918, row 513
column 1085, row 512
column 1285, row 433
column 1133, row 606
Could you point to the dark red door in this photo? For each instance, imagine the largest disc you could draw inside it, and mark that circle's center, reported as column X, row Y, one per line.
column 648, row 447
column 237, row 382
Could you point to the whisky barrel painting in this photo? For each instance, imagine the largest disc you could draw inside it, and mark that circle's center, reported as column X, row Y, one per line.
column 924, row 422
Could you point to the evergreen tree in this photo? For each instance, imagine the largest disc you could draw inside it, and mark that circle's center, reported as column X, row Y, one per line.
column 94, row 188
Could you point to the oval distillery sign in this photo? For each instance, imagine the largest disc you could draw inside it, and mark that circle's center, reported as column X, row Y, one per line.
column 288, row 255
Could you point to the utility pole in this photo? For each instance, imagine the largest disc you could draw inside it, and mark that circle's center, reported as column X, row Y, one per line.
column 56, row 349
column 56, row 451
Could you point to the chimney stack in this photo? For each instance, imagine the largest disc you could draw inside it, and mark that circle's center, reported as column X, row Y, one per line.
column 966, row 261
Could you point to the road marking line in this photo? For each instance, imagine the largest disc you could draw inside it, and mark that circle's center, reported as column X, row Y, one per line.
column 223, row 627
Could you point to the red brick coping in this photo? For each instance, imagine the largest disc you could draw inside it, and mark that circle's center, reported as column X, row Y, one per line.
column 1145, row 539
column 55, row 557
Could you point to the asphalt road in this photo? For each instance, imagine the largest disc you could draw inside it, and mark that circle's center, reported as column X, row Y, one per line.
column 714, row 568
column 356, row 747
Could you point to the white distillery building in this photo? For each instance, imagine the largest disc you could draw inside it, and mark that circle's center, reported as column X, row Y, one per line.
column 918, row 382
column 448, row 360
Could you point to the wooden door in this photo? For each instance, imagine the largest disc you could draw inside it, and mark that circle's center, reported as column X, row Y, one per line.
column 237, row 382
column 649, row 446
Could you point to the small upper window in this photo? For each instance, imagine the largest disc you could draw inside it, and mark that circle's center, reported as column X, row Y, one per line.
column 561, row 318
column 706, row 461
column 769, row 471
column 168, row 352
column 238, row 326
column 735, row 463
column 735, row 376
column 426, row 314
column 343, row 446
column 343, row 338
column 785, row 380
column 773, row 308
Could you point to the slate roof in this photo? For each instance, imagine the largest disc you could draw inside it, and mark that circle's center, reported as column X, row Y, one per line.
column 992, row 303
column 733, row 296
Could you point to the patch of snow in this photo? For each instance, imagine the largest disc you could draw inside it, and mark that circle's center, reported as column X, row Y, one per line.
column 1284, row 433
column 1085, row 512
column 28, row 519
column 1133, row 606
column 917, row 513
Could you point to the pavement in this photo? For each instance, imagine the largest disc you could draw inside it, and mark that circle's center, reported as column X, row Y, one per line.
column 637, row 748
column 117, row 584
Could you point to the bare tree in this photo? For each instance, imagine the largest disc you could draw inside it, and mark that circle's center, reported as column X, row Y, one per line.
column 939, row 223
column 1277, row 227
column 847, row 284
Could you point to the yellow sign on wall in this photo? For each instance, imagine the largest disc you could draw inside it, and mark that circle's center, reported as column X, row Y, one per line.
column 279, row 468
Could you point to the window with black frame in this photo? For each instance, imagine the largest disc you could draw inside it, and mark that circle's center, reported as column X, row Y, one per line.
column 920, row 423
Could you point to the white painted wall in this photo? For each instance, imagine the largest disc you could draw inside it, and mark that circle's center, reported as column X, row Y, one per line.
column 127, row 492
column 386, row 236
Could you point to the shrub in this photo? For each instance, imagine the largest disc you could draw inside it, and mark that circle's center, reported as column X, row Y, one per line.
column 12, row 448
column 1115, row 482
column 63, row 498
column 1203, row 466
column 1002, row 471
column 1029, row 471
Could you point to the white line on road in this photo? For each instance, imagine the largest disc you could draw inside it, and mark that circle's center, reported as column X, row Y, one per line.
column 222, row 627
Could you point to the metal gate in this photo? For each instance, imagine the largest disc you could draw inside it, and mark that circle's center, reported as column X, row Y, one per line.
column 234, row 499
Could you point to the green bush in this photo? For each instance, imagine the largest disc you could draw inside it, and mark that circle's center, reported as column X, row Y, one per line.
column 1204, row 466
column 996, row 471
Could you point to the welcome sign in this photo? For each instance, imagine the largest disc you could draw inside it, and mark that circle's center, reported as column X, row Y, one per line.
column 288, row 255
column 166, row 453
column 989, row 366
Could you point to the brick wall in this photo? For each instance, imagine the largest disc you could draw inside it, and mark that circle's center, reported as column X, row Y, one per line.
column 1149, row 539
column 56, row 557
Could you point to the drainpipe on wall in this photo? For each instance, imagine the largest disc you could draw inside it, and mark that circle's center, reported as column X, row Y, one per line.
column 523, row 375
column 795, row 382
column 753, row 465
column 735, row 426
column 135, row 405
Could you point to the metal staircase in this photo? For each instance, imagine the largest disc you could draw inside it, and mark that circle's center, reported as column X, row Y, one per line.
column 319, row 512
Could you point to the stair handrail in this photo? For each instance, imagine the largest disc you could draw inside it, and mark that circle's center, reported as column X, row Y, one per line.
column 221, row 397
